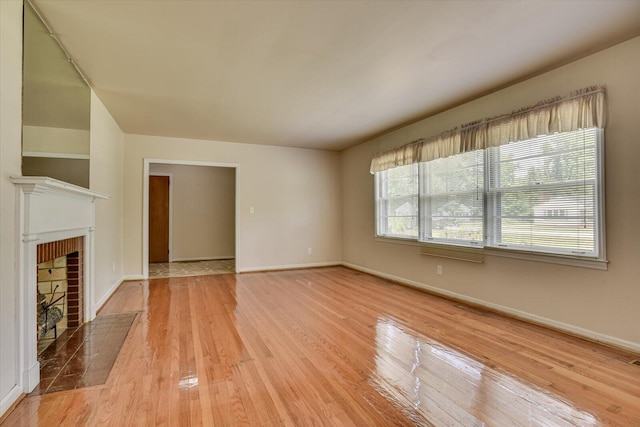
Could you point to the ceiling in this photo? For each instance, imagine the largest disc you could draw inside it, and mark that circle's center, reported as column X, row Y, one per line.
column 317, row 74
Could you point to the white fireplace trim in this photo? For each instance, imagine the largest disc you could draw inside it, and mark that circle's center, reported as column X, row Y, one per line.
column 48, row 210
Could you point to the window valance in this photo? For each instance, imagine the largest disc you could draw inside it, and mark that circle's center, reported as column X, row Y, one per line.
column 582, row 109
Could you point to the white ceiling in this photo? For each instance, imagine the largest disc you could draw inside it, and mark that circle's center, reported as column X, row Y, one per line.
column 317, row 74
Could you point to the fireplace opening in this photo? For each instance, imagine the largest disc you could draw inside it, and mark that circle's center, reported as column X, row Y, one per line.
column 59, row 302
column 52, row 295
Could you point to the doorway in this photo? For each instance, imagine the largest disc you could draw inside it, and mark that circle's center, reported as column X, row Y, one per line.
column 201, row 235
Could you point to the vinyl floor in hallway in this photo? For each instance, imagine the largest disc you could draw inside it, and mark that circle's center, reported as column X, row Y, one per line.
column 191, row 268
column 333, row 346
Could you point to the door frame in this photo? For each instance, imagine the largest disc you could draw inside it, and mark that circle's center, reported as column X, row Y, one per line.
column 145, row 205
column 170, row 175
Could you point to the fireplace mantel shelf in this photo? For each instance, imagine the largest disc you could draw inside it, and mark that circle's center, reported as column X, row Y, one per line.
column 44, row 184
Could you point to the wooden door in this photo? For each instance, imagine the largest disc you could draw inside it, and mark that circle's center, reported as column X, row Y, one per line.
column 158, row 219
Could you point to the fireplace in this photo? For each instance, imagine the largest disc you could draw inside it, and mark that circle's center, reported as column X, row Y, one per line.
column 60, row 287
column 56, row 219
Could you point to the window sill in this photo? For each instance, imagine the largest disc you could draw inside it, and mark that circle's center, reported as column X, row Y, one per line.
column 464, row 253
column 397, row 240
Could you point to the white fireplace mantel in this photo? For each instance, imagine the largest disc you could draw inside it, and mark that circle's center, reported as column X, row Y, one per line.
column 54, row 206
column 49, row 210
column 46, row 184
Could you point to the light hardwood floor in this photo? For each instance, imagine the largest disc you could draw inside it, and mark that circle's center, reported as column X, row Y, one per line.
column 333, row 346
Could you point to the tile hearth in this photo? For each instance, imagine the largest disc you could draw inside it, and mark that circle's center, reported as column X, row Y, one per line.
column 83, row 356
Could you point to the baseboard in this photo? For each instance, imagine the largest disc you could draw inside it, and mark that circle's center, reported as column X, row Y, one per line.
column 205, row 258
column 132, row 277
column 521, row 315
column 102, row 301
column 288, row 267
column 31, row 377
column 9, row 401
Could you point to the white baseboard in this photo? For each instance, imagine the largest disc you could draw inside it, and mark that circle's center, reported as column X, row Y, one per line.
column 10, row 398
column 205, row 258
column 107, row 295
column 113, row 288
column 532, row 318
column 288, row 267
column 132, row 277
column 31, row 377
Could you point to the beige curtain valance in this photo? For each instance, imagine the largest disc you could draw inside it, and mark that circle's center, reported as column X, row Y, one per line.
column 580, row 110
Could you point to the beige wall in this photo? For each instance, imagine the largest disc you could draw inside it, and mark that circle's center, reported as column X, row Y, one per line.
column 604, row 304
column 10, row 149
column 43, row 139
column 107, row 150
column 73, row 171
column 203, row 213
column 295, row 194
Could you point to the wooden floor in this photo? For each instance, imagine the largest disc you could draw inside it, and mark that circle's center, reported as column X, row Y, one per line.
column 336, row 347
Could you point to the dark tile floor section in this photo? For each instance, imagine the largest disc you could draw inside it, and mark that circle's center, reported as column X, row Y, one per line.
column 83, row 357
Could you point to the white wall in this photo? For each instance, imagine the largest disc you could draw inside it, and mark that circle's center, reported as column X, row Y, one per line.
column 601, row 304
column 295, row 194
column 10, row 151
column 203, row 213
column 106, row 177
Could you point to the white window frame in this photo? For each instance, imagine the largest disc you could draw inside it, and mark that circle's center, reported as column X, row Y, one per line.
column 493, row 206
column 597, row 261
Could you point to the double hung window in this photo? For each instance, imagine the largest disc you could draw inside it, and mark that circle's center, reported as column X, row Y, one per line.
column 540, row 194
column 543, row 194
column 397, row 202
column 451, row 199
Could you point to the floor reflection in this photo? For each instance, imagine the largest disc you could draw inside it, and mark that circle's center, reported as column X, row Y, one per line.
column 430, row 381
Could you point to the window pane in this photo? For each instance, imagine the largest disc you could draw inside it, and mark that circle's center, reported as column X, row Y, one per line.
column 397, row 202
column 452, row 199
column 543, row 195
column 546, row 160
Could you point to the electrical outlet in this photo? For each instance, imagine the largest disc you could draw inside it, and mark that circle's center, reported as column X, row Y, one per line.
column 309, row 251
column 439, row 270
column 251, row 210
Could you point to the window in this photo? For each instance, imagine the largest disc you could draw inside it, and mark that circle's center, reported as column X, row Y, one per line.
column 397, row 202
column 451, row 199
column 543, row 194
column 538, row 195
